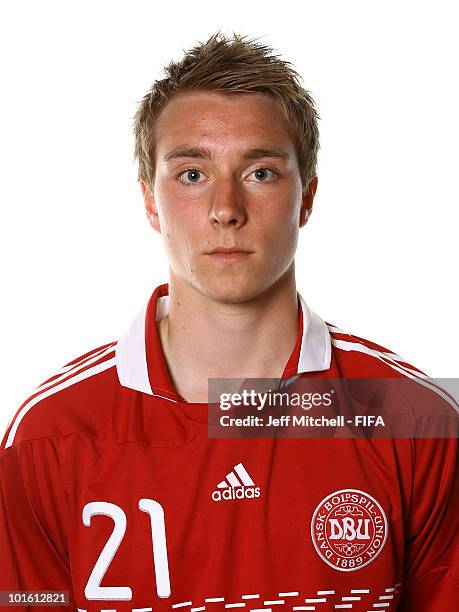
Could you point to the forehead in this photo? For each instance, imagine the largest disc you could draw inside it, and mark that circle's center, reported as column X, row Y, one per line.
column 222, row 121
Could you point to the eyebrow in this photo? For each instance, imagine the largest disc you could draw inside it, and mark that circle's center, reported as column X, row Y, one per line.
column 181, row 151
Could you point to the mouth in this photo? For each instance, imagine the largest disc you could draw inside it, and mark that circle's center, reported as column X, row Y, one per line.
column 228, row 254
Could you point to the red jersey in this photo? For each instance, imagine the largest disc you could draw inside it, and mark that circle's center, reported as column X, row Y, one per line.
column 112, row 490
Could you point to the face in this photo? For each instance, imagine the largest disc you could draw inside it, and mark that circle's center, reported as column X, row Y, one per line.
column 227, row 197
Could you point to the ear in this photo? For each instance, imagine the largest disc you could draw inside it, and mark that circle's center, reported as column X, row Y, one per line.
column 307, row 198
column 150, row 206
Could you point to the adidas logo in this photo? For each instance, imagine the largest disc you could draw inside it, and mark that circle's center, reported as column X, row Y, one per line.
column 234, row 487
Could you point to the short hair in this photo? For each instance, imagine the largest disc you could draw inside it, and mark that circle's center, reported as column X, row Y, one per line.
column 230, row 64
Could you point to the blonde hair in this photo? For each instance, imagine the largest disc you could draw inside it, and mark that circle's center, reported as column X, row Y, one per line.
column 230, row 64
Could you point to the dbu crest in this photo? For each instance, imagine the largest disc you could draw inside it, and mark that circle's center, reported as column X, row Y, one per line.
column 348, row 529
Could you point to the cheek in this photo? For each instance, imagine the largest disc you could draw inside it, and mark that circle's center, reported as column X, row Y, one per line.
column 178, row 204
column 179, row 222
column 280, row 228
column 279, row 215
column 284, row 239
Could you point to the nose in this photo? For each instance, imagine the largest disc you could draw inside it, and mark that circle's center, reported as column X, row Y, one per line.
column 227, row 206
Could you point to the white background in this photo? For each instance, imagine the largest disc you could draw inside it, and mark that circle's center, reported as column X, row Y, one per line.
column 378, row 257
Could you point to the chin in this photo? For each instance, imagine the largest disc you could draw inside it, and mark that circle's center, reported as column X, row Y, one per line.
column 230, row 290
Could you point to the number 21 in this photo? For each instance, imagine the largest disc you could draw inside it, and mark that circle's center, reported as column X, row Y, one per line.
column 93, row 590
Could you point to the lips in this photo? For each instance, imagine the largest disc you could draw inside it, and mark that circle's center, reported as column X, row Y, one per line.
column 228, row 250
column 228, row 255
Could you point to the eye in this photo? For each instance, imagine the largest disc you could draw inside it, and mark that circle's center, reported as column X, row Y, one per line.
column 190, row 176
column 264, row 174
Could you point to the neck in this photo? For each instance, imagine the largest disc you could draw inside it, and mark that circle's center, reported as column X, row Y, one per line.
column 202, row 338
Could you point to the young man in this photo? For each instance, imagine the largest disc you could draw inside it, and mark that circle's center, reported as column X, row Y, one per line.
column 111, row 487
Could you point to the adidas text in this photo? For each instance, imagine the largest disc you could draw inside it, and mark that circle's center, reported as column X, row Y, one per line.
column 235, row 493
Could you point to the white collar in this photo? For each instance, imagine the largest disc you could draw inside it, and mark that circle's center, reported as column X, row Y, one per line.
column 131, row 358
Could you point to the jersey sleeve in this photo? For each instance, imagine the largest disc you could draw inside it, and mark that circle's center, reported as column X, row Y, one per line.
column 33, row 550
column 431, row 566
